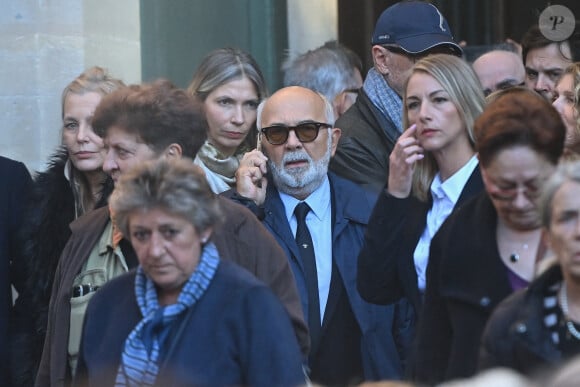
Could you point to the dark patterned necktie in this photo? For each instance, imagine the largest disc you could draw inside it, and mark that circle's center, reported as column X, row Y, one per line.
column 304, row 242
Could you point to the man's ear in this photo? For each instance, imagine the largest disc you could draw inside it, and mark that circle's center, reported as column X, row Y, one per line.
column 338, row 104
column 335, row 133
column 380, row 59
column 173, row 151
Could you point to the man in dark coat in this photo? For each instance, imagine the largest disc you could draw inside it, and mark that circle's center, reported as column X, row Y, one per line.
column 404, row 32
column 351, row 340
column 14, row 189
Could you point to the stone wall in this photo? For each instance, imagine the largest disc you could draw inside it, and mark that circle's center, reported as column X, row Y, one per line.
column 44, row 44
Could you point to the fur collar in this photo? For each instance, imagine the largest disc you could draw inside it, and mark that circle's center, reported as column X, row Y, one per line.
column 46, row 229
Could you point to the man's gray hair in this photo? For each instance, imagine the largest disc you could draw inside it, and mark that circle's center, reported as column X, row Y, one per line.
column 327, row 70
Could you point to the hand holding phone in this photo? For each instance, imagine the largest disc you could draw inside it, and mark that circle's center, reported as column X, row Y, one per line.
column 250, row 176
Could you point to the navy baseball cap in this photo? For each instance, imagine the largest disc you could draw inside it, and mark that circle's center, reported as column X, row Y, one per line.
column 415, row 26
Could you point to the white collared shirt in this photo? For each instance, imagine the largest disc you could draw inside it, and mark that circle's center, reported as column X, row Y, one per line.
column 445, row 195
column 319, row 222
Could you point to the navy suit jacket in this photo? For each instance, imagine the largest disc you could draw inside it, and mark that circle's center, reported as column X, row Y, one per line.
column 351, row 208
column 14, row 189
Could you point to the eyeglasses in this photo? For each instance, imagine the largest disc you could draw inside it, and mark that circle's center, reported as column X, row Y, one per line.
column 530, row 191
column 400, row 51
column 441, row 49
column 306, row 132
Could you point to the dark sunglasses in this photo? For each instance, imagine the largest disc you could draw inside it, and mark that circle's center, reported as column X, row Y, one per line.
column 400, row 51
column 442, row 49
column 306, row 132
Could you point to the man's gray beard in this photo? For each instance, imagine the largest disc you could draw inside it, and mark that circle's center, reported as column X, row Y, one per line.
column 300, row 182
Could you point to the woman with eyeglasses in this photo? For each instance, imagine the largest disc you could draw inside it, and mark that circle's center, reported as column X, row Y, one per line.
column 539, row 328
column 567, row 103
column 230, row 85
column 432, row 170
column 489, row 247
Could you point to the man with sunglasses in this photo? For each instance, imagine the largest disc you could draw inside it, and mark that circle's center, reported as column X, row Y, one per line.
column 404, row 32
column 351, row 340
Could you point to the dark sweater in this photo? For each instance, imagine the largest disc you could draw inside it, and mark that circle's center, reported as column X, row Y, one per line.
column 238, row 333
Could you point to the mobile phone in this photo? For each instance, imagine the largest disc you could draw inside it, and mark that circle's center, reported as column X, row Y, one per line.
column 259, row 141
column 259, row 148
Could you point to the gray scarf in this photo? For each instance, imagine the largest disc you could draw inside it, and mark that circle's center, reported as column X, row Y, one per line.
column 383, row 97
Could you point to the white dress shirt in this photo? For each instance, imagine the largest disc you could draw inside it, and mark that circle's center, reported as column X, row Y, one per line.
column 319, row 222
column 445, row 195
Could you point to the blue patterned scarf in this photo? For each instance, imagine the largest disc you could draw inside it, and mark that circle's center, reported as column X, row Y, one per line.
column 383, row 97
column 140, row 359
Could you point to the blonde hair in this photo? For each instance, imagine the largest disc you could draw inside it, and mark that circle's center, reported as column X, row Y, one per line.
column 458, row 79
column 574, row 70
column 94, row 79
column 222, row 66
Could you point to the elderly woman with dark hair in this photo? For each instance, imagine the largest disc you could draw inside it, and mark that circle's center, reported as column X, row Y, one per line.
column 184, row 317
column 540, row 327
column 489, row 247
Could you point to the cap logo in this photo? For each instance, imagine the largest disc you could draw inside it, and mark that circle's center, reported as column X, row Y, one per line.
column 441, row 21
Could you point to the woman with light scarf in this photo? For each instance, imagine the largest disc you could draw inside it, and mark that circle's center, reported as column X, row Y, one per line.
column 230, row 85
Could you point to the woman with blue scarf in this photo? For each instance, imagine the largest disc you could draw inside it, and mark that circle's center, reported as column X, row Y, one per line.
column 184, row 317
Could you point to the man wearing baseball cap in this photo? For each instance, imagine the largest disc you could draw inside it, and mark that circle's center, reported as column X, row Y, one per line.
column 405, row 32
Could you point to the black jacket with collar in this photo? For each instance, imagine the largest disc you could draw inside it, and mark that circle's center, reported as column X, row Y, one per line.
column 466, row 280
column 516, row 336
column 386, row 269
column 16, row 184
column 44, row 235
column 367, row 139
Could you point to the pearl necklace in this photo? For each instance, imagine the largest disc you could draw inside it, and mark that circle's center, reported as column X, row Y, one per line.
column 515, row 257
column 564, row 304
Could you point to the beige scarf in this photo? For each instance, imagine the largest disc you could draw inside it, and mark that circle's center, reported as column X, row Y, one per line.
column 225, row 167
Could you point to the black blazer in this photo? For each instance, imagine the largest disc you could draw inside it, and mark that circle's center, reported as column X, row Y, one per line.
column 466, row 279
column 386, row 270
column 14, row 189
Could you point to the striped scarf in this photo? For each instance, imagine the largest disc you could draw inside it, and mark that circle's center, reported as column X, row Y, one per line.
column 384, row 98
column 140, row 359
